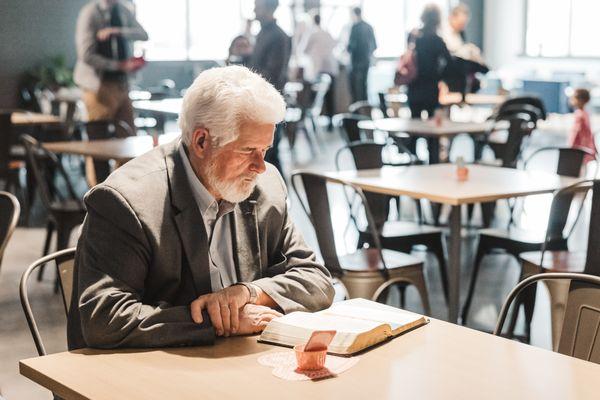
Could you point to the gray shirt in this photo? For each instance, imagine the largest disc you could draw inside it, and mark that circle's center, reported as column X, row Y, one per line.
column 216, row 216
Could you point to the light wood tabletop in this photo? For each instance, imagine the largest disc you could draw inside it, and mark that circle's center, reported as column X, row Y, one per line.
column 164, row 106
column 439, row 184
column 437, row 361
column 30, row 118
column 429, row 128
column 121, row 150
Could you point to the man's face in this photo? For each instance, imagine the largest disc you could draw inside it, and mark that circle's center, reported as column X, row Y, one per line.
column 260, row 10
column 233, row 168
column 459, row 21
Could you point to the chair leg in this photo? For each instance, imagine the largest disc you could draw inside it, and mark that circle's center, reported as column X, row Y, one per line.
column 487, row 213
column 419, row 281
column 481, row 252
column 437, row 247
column 402, row 290
column 46, row 251
column 63, row 233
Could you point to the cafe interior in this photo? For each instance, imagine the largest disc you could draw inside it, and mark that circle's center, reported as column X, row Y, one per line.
column 436, row 158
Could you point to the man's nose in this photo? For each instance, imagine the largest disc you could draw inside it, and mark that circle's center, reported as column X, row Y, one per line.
column 258, row 163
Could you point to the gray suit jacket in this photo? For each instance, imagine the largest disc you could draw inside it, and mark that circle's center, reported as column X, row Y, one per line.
column 142, row 257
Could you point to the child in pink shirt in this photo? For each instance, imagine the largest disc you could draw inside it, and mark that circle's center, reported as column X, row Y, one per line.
column 581, row 133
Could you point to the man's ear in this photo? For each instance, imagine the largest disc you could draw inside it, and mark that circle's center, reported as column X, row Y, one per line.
column 200, row 142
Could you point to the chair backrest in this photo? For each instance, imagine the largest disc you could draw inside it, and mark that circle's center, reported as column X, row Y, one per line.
column 64, row 261
column 580, row 336
column 9, row 216
column 570, row 159
column 348, row 126
column 105, row 129
column 44, row 164
column 532, row 101
column 517, row 130
column 560, row 210
column 369, row 155
column 6, row 140
column 318, row 210
column 362, row 107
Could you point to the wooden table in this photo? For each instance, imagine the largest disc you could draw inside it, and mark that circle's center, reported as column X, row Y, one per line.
column 437, row 361
column 427, row 129
column 29, row 118
column 438, row 183
column 121, row 150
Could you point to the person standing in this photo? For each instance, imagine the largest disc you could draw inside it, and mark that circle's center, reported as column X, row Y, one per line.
column 467, row 56
column 270, row 59
column 318, row 48
column 432, row 59
column 361, row 46
column 105, row 30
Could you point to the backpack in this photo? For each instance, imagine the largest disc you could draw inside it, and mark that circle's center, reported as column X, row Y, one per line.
column 406, row 71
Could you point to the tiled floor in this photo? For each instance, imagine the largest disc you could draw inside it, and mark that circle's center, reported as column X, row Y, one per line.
column 499, row 274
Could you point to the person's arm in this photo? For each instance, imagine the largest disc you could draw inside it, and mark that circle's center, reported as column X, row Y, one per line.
column 113, row 256
column 352, row 40
column 296, row 282
column 133, row 30
column 85, row 41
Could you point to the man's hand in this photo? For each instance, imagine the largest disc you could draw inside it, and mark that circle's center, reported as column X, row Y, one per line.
column 254, row 318
column 223, row 307
column 105, row 33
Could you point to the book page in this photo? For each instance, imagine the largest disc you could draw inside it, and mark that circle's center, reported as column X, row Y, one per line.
column 324, row 321
column 365, row 310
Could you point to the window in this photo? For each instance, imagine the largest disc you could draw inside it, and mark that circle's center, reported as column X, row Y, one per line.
column 562, row 28
column 202, row 30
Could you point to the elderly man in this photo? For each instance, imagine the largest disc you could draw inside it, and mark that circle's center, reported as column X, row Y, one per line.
column 193, row 240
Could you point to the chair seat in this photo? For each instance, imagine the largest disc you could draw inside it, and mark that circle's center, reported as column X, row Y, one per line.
column 514, row 234
column 557, row 261
column 368, row 261
column 407, row 228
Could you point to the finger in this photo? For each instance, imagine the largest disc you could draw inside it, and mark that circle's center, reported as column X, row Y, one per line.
column 196, row 310
column 215, row 317
column 261, row 326
column 270, row 311
column 235, row 318
column 225, row 317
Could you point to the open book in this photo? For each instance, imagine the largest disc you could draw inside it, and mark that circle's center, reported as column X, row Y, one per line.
column 359, row 324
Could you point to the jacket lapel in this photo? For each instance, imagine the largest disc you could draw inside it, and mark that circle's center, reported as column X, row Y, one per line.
column 246, row 249
column 189, row 222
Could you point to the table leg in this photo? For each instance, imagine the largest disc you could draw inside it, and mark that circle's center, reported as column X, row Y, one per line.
column 454, row 263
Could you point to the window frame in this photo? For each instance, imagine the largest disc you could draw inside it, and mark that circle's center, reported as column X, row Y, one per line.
column 568, row 56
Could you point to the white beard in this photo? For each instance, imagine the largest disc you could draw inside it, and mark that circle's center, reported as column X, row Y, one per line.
column 234, row 191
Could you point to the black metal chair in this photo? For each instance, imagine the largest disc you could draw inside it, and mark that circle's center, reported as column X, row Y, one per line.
column 65, row 210
column 514, row 240
column 393, row 234
column 64, row 261
column 348, row 126
column 580, row 328
column 9, row 216
column 551, row 261
column 367, row 272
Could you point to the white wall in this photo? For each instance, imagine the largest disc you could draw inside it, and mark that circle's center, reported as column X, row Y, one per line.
column 503, row 42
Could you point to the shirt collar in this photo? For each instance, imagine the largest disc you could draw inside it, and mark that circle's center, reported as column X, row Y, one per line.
column 203, row 198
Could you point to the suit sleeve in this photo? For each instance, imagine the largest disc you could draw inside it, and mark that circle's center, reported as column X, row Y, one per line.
column 296, row 282
column 112, row 261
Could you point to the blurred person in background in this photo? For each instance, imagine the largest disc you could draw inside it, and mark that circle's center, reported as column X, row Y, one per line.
column 104, row 35
column 467, row 56
column 581, row 133
column 240, row 51
column 361, row 46
column 270, row 59
column 318, row 47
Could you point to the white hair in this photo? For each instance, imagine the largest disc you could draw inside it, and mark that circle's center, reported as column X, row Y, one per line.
column 221, row 99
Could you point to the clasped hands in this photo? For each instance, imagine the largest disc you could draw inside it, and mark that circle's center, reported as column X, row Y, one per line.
column 230, row 313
